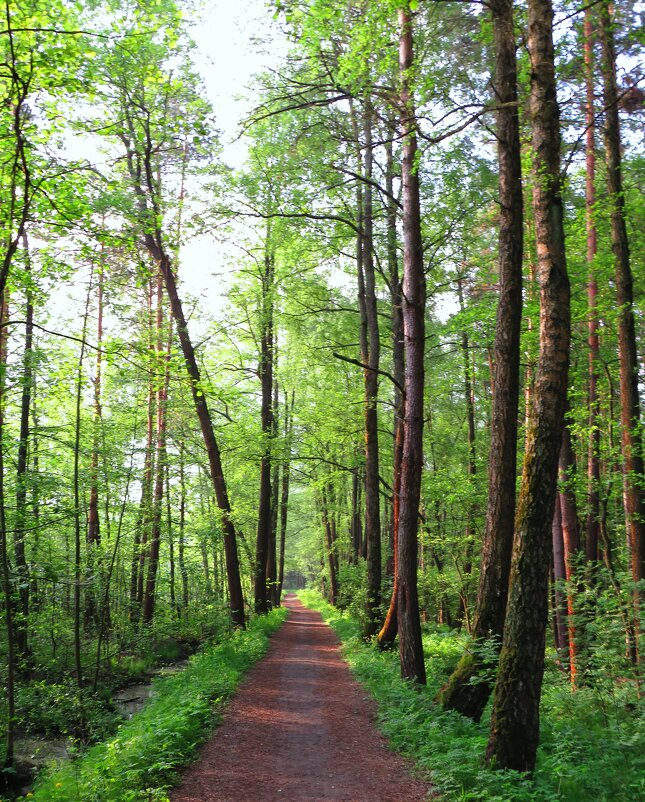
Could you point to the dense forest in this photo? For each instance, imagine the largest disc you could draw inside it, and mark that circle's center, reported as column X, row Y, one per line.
column 414, row 383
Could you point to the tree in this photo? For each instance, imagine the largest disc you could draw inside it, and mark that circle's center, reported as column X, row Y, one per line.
column 409, row 624
column 514, row 733
column 460, row 693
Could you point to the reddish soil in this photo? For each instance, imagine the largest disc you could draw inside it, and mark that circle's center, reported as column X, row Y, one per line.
column 299, row 729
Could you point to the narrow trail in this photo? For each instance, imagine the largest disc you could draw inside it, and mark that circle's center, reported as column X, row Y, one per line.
column 299, row 729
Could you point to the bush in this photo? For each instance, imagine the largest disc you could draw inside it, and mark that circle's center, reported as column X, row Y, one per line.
column 64, row 709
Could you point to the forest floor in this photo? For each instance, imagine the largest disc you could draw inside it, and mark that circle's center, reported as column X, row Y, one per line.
column 300, row 729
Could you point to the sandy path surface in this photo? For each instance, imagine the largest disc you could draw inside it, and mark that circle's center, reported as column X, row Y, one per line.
column 299, row 729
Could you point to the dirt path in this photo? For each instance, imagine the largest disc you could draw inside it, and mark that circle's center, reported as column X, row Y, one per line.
column 299, row 730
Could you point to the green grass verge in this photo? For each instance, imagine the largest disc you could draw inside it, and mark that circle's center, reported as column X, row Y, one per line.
column 141, row 761
column 593, row 741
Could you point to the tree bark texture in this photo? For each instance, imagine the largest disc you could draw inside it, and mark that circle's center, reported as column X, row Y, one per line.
column 630, row 411
column 593, row 340
column 22, row 480
column 163, row 380
column 459, row 693
column 372, row 494
column 409, row 623
column 515, row 717
column 265, row 371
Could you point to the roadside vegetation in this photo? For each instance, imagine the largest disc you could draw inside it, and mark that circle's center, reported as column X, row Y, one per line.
column 593, row 739
column 140, row 762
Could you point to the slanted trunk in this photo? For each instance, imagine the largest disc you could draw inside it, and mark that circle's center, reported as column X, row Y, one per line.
column 460, row 693
column 515, row 720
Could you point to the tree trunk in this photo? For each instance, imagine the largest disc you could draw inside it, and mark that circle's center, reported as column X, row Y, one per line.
column 145, row 506
column 459, row 693
column 330, row 543
column 284, row 495
column 593, row 458
column 10, row 725
column 265, row 372
column 182, row 526
column 272, row 565
column 571, row 542
column 21, row 618
column 163, row 379
column 409, row 623
column 630, row 412
column 515, row 726
column 389, row 630
column 371, row 361
column 559, row 577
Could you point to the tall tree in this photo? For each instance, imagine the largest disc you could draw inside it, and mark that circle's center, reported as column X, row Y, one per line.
column 630, row 405
column 409, row 622
column 460, row 693
column 515, row 719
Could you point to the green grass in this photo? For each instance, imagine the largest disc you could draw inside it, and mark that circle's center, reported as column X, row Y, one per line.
column 141, row 761
column 593, row 740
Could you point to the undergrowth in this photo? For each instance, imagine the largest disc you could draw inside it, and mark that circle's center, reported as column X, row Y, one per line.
column 140, row 762
column 592, row 741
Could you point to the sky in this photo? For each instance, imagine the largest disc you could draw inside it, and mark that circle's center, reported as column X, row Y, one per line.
column 235, row 41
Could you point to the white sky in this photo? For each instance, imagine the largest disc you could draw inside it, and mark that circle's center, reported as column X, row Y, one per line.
column 235, row 41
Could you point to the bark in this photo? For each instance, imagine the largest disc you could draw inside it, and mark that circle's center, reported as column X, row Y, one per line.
column 571, row 543
column 284, row 495
column 514, row 732
column 371, row 361
column 182, row 526
column 163, row 380
column 21, row 617
column 145, row 506
column 10, row 724
column 459, row 693
column 630, row 407
column 93, row 521
column 389, row 629
column 272, row 559
column 472, row 459
column 330, row 543
column 593, row 458
column 265, row 373
column 78, row 569
column 409, row 623
column 559, row 578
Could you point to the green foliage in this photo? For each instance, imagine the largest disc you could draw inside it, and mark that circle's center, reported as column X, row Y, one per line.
column 141, row 760
column 62, row 709
column 593, row 747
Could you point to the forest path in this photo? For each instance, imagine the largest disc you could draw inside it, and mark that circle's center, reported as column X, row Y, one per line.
column 299, row 730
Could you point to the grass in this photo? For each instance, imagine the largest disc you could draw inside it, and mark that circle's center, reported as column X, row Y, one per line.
column 141, row 761
column 593, row 740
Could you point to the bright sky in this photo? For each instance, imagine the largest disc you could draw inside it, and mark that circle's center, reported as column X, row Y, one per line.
column 235, row 41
